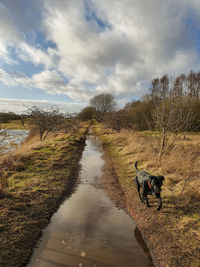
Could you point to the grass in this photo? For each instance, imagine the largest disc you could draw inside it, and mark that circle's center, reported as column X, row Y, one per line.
column 179, row 237
column 16, row 125
column 35, row 178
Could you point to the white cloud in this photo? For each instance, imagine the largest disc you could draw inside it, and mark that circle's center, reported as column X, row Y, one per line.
column 32, row 54
column 12, row 39
column 21, row 106
column 7, row 79
column 49, row 81
column 115, row 46
column 144, row 39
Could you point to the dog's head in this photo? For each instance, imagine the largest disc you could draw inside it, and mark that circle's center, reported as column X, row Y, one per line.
column 156, row 183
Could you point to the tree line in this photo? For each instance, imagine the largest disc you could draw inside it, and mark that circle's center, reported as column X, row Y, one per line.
column 172, row 105
column 8, row 116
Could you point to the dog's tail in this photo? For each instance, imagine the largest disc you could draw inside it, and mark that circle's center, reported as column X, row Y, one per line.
column 136, row 166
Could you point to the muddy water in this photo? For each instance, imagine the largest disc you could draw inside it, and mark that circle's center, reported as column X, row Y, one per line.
column 88, row 230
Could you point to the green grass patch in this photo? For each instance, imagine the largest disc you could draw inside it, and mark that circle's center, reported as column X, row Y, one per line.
column 60, row 140
column 17, row 125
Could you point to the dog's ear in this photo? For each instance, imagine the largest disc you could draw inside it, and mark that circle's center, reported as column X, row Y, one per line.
column 151, row 177
column 162, row 178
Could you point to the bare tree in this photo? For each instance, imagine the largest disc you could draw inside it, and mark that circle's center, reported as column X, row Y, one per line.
column 139, row 114
column 118, row 120
column 194, row 84
column 23, row 119
column 103, row 104
column 172, row 110
column 45, row 121
column 87, row 113
column 71, row 122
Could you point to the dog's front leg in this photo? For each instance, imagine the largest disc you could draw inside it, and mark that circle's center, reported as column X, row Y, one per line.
column 160, row 201
column 145, row 192
column 145, row 198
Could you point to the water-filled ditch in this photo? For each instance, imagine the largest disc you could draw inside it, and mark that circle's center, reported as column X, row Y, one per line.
column 87, row 229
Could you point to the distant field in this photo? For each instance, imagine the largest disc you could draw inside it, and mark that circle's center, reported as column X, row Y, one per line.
column 16, row 125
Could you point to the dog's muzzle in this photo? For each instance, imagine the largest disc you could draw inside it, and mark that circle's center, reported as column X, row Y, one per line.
column 157, row 190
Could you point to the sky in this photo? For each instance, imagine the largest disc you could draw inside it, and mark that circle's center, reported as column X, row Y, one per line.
column 67, row 51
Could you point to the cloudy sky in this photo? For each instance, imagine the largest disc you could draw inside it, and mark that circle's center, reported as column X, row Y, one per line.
column 67, row 51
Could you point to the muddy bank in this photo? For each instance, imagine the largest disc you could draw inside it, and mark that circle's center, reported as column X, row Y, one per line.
column 48, row 175
column 124, row 199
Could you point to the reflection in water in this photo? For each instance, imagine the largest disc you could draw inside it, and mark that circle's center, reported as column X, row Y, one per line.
column 88, row 230
column 141, row 241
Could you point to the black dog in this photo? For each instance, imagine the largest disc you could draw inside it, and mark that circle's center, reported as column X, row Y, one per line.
column 150, row 185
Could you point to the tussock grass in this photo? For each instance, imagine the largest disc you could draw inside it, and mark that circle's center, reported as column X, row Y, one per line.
column 181, row 190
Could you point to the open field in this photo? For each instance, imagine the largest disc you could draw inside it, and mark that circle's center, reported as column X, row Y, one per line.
column 16, row 125
column 34, row 181
column 173, row 234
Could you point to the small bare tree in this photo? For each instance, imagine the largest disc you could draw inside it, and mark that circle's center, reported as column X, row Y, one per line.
column 117, row 120
column 87, row 113
column 172, row 110
column 23, row 119
column 103, row 104
column 45, row 121
column 71, row 123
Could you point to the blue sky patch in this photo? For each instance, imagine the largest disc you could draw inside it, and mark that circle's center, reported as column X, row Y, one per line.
column 38, row 39
column 91, row 16
column 18, row 92
column 28, row 68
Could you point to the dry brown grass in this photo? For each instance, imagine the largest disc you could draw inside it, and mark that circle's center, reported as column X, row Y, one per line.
column 181, row 190
column 17, row 125
column 13, row 161
column 180, row 164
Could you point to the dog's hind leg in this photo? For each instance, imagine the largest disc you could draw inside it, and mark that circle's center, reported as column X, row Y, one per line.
column 138, row 188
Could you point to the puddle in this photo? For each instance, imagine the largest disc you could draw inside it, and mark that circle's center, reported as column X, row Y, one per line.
column 87, row 229
column 9, row 139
